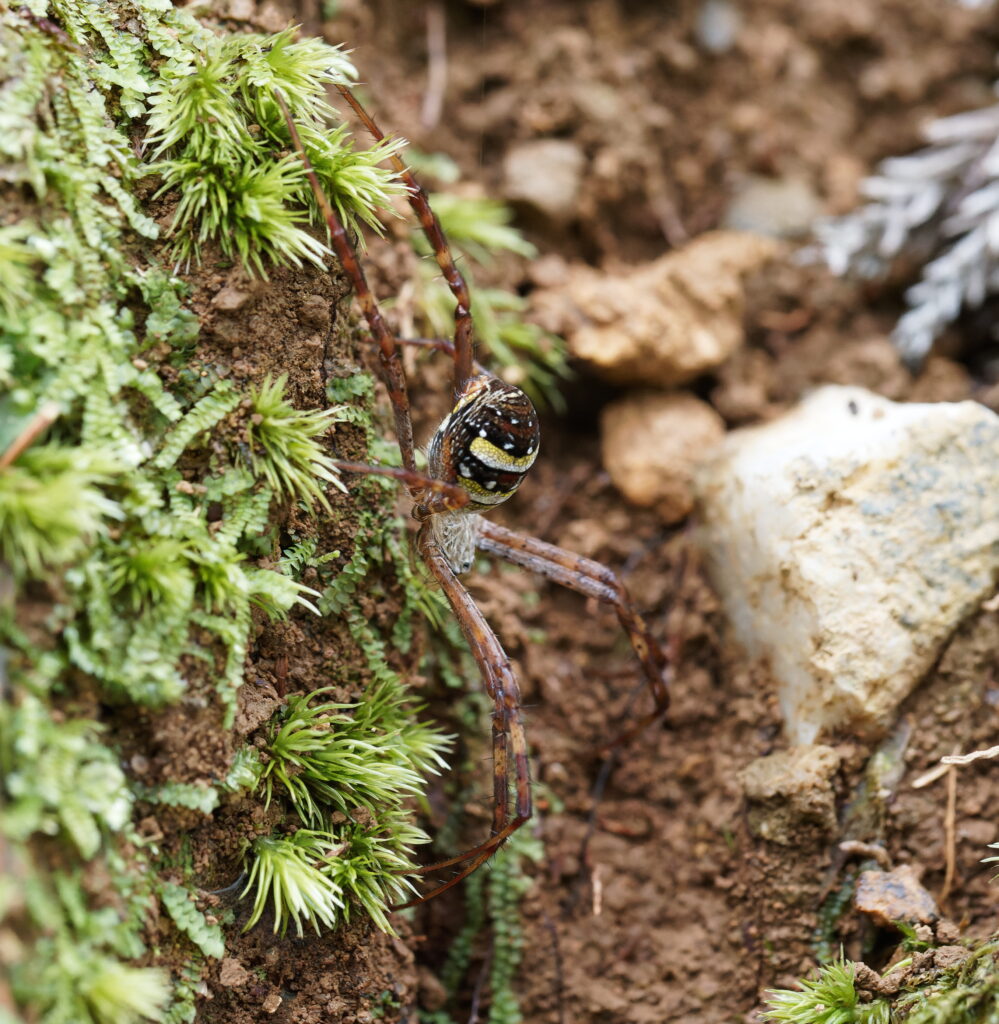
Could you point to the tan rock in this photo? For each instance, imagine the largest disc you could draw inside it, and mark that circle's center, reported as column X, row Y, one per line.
column 651, row 444
column 232, row 974
column 664, row 323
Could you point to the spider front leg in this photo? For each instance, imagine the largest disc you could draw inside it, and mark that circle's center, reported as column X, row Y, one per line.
column 509, row 739
column 462, row 351
column 592, row 580
column 391, row 363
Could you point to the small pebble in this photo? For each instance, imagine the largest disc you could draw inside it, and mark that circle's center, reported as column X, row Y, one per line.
column 545, row 174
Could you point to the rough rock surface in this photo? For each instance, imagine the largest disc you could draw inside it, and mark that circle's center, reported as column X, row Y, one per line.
column 892, row 896
column 789, row 789
column 847, row 542
column 651, row 443
column 662, row 324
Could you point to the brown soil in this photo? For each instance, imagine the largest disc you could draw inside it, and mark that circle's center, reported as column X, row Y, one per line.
column 673, row 910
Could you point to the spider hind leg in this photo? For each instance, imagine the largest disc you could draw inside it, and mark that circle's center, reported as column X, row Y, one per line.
column 509, row 739
column 592, row 579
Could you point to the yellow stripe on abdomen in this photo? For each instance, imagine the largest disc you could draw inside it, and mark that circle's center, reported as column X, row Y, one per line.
column 495, row 458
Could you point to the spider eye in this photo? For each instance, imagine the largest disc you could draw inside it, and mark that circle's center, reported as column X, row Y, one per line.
column 488, row 443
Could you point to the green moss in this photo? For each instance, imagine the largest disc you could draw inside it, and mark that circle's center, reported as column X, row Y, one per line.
column 143, row 521
column 830, row 998
column 492, row 916
column 283, row 450
column 216, row 129
column 52, row 507
column 59, row 778
column 965, row 993
column 205, row 934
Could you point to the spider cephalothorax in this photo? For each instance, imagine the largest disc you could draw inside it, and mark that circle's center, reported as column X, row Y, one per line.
column 477, row 459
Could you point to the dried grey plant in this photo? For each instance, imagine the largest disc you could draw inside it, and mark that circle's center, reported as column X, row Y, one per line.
column 938, row 206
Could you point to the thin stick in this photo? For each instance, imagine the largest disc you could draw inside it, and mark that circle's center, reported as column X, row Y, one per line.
column 395, row 378
column 938, row 771
column 433, row 99
column 463, row 327
column 597, row 904
column 36, row 426
column 950, row 837
column 975, row 755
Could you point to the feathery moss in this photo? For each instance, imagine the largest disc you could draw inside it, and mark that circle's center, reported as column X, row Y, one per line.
column 149, row 511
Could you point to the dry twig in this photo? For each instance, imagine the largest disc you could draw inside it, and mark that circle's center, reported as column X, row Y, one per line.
column 950, row 837
column 39, row 423
column 433, row 98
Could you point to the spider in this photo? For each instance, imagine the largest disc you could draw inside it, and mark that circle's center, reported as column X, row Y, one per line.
column 477, row 458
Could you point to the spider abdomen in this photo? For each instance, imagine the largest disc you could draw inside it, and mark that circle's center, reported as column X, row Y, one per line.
column 487, row 443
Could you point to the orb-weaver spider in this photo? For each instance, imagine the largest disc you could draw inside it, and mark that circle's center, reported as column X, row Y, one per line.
column 477, row 459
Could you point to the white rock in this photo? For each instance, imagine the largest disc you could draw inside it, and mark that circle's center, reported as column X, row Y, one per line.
column 717, row 25
column 847, row 541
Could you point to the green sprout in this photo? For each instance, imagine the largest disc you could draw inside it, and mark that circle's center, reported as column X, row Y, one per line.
column 326, row 758
column 991, row 860
column 288, row 873
column 243, row 206
column 526, row 355
column 51, row 506
column 480, row 227
column 830, row 998
column 282, row 444
column 314, row 876
column 373, row 868
column 217, row 139
column 152, row 574
column 118, row 994
column 347, row 769
column 301, row 70
column 353, row 178
column 16, row 261
column 192, row 106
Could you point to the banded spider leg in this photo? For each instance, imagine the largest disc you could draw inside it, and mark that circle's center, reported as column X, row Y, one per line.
column 477, row 458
